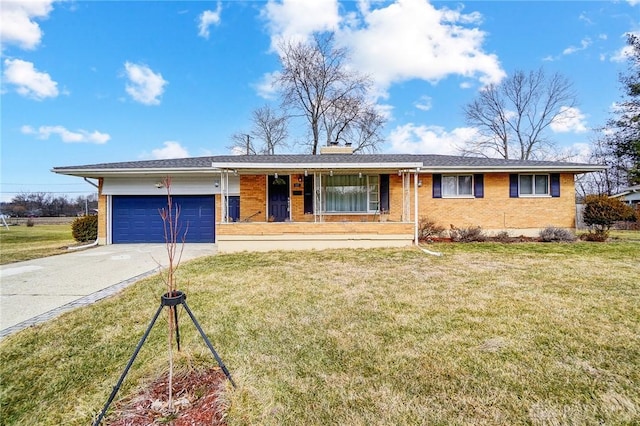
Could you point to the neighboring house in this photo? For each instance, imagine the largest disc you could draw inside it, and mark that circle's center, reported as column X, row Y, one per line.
column 630, row 195
column 335, row 199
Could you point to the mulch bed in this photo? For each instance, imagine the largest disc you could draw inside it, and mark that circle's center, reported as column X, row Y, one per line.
column 197, row 399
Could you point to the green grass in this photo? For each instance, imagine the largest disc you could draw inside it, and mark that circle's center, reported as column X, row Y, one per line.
column 487, row 334
column 18, row 243
column 616, row 235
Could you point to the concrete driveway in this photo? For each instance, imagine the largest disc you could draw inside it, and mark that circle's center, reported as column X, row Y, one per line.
column 38, row 290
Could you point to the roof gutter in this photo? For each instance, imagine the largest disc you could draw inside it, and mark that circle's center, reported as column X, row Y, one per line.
column 582, row 168
column 314, row 166
column 257, row 167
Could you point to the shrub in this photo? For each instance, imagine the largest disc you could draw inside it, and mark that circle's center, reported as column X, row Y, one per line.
column 85, row 228
column 552, row 234
column 601, row 212
column 30, row 223
column 502, row 237
column 467, row 235
column 594, row 236
column 428, row 229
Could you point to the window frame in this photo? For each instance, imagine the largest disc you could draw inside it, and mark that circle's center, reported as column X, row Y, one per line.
column 534, row 185
column 457, row 177
column 369, row 181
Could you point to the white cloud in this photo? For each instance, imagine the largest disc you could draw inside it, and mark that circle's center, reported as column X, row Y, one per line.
column 578, row 152
column 236, row 150
column 29, row 82
column 298, row 19
column 419, row 139
column 424, row 103
column 411, row 39
column 144, row 85
column 584, row 43
column 404, row 40
column 569, row 119
column 208, row 18
column 67, row 136
column 171, row 150
column 625, row 52
column 17, row 25
column 585, row 18
column 633, row 2
column 266, row 88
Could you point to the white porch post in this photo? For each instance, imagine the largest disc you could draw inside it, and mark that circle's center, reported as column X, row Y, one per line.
column 415, row 208
column 224, row 181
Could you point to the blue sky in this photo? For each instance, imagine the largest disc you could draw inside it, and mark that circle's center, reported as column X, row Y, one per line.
column 87, row 82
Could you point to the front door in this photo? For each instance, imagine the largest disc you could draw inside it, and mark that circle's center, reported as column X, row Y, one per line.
column 278, row 198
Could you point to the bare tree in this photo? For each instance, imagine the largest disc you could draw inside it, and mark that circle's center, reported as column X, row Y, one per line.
column 316, row 81
column 270, row 127
column 269, row 131
column 512, row 117
column 241, row 144
column 600, row 182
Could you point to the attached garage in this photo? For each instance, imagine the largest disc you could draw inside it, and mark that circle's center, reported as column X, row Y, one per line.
column 136, row 218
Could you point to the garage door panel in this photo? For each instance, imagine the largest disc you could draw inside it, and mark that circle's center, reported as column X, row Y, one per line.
column 136, row 219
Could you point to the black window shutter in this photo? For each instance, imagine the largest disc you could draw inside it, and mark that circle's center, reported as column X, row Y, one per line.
column 437, row 186
column 478, row 186
column 555, row 184
column 513, row 185
column 384, row 192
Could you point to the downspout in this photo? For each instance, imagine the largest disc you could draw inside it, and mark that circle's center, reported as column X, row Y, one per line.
column 416, row 240
column 224, row 195
column 415, row 207
column 95, row 243
column 91, row 183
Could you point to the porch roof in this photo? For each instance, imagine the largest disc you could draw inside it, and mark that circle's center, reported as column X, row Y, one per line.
column 274, row 163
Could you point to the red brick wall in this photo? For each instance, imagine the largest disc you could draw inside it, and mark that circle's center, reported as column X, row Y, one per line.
column 253, row 197
column 497, row 210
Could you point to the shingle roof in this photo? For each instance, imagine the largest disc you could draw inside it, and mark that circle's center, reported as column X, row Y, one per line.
column 425, row 162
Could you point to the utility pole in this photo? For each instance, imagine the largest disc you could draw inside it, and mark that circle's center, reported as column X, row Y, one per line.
column 248, row 143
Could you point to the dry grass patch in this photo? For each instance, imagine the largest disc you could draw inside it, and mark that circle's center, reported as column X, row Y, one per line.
column 486, row 334
column 18, row 243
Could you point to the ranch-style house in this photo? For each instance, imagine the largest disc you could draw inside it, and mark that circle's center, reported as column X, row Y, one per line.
column 335, row 199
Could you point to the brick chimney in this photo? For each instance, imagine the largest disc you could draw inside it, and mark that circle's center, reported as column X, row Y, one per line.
column 336, row 149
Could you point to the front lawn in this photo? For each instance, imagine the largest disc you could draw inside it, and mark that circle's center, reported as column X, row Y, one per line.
column 18, row 243
column 487, row 334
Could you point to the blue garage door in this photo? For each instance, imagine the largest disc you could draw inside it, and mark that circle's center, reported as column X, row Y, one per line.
column 136, row 219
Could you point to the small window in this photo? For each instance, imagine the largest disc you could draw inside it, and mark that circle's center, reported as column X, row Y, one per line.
column 534, row 185
column 457, row 186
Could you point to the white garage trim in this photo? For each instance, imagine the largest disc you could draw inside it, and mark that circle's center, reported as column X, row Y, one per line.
column 180, row 185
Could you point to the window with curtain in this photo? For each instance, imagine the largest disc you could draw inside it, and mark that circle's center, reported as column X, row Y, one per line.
column 350, row 193
column 457, row 185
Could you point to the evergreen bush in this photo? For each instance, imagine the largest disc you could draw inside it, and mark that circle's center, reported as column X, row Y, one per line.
column 601, row 212
column 85, row 228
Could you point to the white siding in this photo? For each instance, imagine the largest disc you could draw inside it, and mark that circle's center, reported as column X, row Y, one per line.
column 191, row 185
